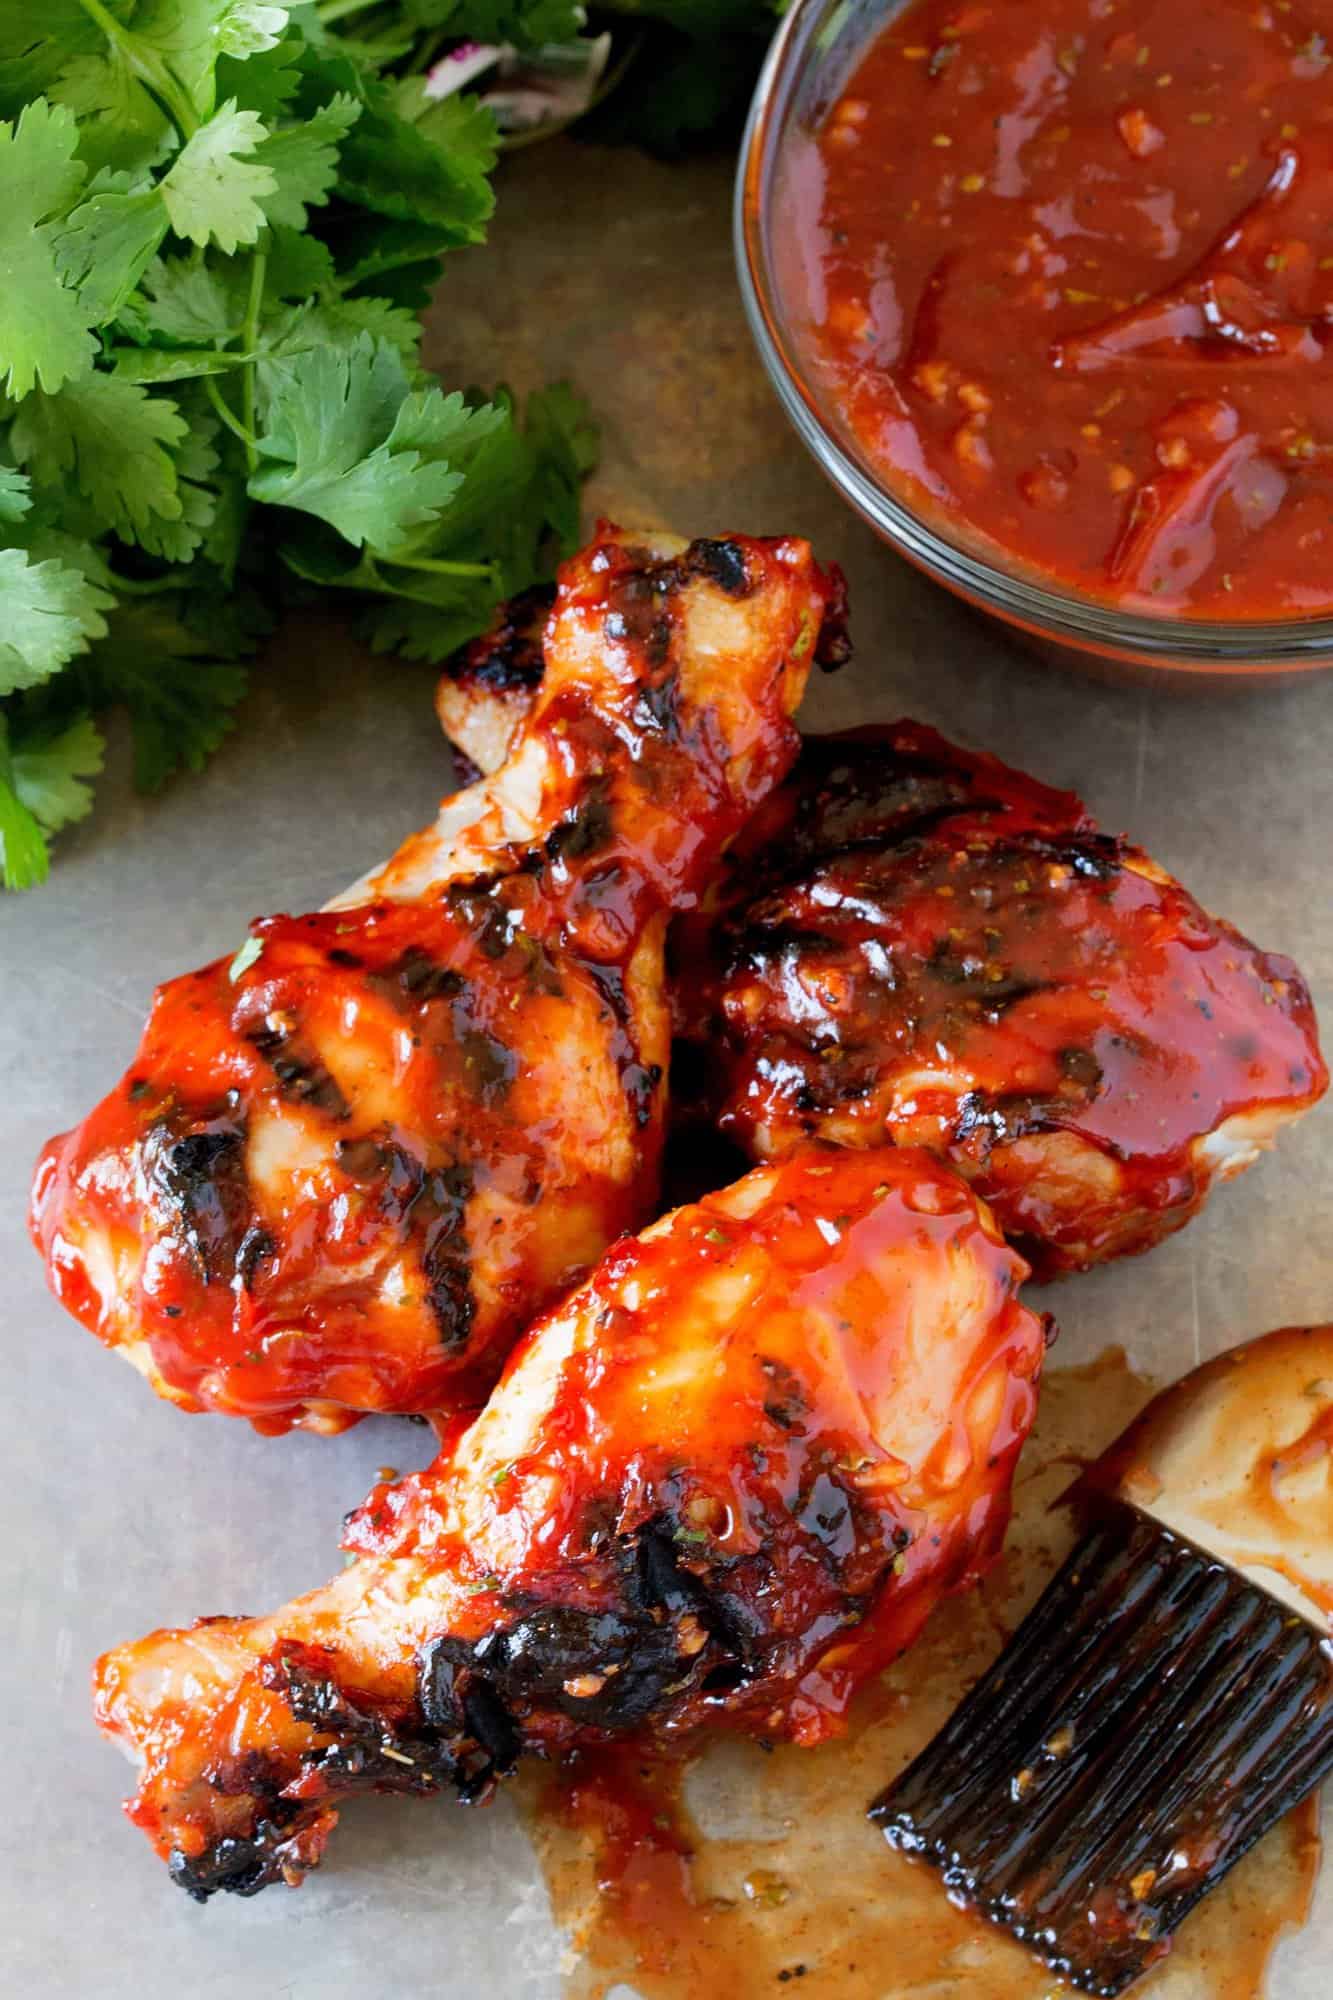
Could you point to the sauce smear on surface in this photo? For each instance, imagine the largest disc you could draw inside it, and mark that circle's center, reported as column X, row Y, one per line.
column 1067, row 268
column 749, row 1873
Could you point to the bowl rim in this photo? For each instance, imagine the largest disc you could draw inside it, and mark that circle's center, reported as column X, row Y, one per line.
column 1087, row 624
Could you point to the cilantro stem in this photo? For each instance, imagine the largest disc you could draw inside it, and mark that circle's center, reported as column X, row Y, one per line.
column 438, row 567
column 147, row 66
column 428, row 51
column 230, row 419
column 250, row 336
column 138, row 586
column 334, row 10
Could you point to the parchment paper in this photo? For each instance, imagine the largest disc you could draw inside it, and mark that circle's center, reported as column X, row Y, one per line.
column 122, row 1514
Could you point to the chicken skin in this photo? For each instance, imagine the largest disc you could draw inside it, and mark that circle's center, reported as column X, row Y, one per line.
column 923, row 945
column 348, row 1166
column 724, row 1481
column 914, row 942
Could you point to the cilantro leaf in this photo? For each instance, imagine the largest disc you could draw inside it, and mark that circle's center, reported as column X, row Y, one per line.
column 401, row 259
column 248, row 27
column 180, row 694
column 113, row 441
column 565, row 439
column 15, row 494
column 36, row 44
column 431, row 632
column 266, row 81
column 353, row 445
column 104, row 247
column 121, row 124
column 48, row 769
column 24, row 859
column 178, row 193
column 198, row 465
column 212, row 192
column 519, row 496
column 382, row 320
column 183, row 300
column 48, row 613
column 175, row 46
column 527, row 23
column 152, row 365
column 303, row 160
column 336, row 322
column 43, row 328
column 298, row 265
column 397, row 170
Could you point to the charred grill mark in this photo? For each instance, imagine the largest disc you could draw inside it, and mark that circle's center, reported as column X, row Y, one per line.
column 489, row 1065
column 508, row 655
column 199, row 1178
column 300, row 1072
column 487, row 1721
column 256, row 1245
column 606, row 1667
column 655, row 706
column 810, row 848
column 238, row 1867
column 638, row 1080
column 851, row 793
column 998, row 1120
column 663, row 1630
column 429, row 1204
column 760, row 946
column 491, row 924
column 416, row 979
column 979, row 979
column 786, row 1402
column 362, row 1160
column 440, row 1211
column 1097, row 857
column 638, row 613
column 539, row 967
column 587, row 828
column 981, row 1116
column 373, row 1748
column 1081, row 1066
column 723, row 563
column 702, row 1587
column 826, row 1514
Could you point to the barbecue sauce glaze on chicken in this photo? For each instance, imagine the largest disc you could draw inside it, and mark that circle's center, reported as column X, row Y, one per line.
column 920, row 944
column 913, row 941
column 348, row 1166
column 724, row 1482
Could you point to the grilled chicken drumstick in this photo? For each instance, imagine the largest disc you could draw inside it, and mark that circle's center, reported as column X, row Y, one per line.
column 915, row 942
column 346, row 1169
column 926, row 946
column 726, row 1480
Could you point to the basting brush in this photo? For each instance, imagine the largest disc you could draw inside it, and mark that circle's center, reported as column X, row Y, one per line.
column 1169, row 1696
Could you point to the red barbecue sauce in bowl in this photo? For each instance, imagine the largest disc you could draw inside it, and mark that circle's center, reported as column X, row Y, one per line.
column 1066, row 267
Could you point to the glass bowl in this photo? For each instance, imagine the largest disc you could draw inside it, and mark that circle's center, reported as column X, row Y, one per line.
column 814, row 52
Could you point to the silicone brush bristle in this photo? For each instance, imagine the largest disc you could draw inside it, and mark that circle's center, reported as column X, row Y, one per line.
column 1153, row 1715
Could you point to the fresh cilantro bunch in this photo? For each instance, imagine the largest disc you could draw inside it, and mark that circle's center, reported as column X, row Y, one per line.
column 219, row 220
